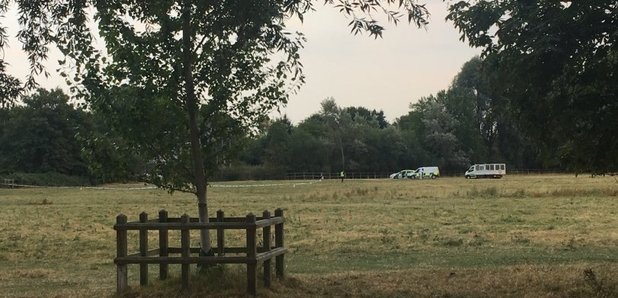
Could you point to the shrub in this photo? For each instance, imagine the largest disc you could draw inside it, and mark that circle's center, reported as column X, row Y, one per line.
column 47, row 179
column 245, row 172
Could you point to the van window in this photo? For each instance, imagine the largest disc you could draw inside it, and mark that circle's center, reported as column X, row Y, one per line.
column 501, row 167
column 491, row 167
column 482, row 168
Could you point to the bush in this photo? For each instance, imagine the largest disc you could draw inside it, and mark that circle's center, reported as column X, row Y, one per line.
column 47, row 179
column 245, row 172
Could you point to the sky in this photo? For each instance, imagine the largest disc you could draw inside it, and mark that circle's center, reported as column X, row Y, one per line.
column 384, row 74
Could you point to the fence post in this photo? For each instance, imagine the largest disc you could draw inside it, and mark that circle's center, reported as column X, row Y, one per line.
column 122, row 282
column 163, row 245
column 251, row 256
column 220, row 234
column 279, row 260
column 185, row 250
column 266, row 241
column 143, row 249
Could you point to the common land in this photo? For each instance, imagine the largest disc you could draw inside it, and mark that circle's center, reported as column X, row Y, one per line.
column 520, row 236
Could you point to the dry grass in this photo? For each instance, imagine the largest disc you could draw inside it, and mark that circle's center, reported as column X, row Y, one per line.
column 551, row 236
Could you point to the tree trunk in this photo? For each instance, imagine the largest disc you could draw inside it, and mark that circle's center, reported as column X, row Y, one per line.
column 342, row 155
column 192, row 110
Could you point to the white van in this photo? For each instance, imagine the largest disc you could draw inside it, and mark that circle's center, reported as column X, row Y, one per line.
column 486, row 170
column 426, row 172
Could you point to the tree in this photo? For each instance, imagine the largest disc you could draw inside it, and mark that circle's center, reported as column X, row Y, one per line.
column 110, row 157
column 307, row 152
column 311, row 140
column 439, row 137
column 376, row 119
column 277, row 141
column 346, row 133
column 412, row 130
column 191, row 63
column 10, row 88
column 331, row 113
column 184, row 72
column 385, row 149
column 41, row 136
column 558, row 63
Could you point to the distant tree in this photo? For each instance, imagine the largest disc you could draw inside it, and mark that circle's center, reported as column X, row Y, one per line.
column 312, row 141
column 41, row 136
column 372, row 117
column 461, row 104
column 335, row 121
column 411, row 128
column 439, row 133
column 277, row 142
column 307, row 152
column 386, row 149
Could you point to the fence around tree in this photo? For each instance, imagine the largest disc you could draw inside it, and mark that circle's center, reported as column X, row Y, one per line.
column 164, row 255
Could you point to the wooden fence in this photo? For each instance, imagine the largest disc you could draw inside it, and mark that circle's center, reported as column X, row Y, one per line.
column 9, row 183
column 185, row 255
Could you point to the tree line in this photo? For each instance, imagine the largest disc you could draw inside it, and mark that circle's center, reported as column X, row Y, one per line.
column 467, row 123
column 454, row 128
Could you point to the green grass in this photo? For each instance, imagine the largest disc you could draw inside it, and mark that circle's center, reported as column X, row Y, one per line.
column 449, row 237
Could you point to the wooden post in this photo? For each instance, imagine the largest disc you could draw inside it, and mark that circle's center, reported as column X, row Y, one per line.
column 185, row 250
column 143, row 250
column 163, row 245
column 251, row 256
column 220, row 235
column 279, row 260
column 122, row 282
column 266, row 241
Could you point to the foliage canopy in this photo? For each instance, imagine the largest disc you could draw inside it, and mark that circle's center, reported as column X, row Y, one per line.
column 557, row 65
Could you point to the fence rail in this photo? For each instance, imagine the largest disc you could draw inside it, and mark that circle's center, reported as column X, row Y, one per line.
column 185, row 255
column 382, row 175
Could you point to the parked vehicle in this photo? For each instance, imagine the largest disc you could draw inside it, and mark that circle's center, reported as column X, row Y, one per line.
column 487, row 170
column 402, row 174
column 426, row 172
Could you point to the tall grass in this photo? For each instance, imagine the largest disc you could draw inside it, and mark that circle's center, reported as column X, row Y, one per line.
column 517, row 236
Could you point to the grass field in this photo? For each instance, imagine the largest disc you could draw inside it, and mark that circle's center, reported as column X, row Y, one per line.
column 520, row 236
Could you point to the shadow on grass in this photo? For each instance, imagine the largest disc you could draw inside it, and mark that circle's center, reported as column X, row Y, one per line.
column 512, row 281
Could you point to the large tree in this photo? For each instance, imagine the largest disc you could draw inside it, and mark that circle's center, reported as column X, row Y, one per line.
column 40, row 136
column 189, row 68
column 558, row 63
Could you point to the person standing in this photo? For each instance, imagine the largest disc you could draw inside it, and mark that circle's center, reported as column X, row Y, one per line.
column 342, row 175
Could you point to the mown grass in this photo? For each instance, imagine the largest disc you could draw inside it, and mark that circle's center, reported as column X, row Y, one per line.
column 517, row 236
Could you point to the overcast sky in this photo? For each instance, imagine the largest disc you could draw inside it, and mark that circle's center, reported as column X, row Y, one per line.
column 383, row 74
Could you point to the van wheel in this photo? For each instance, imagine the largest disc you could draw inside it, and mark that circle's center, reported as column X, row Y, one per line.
column 467, row 177
column 432, row 176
